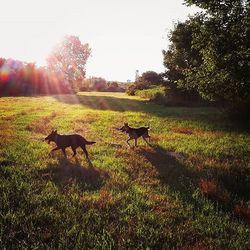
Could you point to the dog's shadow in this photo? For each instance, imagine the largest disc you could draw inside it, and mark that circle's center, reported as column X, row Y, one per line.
column 66, row 173
column 172, row 171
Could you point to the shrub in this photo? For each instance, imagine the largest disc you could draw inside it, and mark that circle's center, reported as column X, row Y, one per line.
column 156, row 93
column 131, row 89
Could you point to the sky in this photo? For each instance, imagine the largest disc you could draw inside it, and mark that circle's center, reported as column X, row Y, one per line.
column 124, row 35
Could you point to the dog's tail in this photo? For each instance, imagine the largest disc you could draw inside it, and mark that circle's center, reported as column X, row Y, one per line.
column 90, row 142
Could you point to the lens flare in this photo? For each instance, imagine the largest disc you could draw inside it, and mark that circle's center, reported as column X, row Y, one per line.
column 4, row 74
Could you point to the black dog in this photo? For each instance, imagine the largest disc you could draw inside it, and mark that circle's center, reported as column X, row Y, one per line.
column 63, row 141
column 135, row 133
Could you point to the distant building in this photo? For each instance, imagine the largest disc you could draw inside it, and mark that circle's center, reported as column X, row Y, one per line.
column 137, row 75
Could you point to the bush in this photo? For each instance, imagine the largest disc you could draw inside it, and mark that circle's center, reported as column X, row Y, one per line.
column 182, row 97
column 155, row 93
column 131, row 89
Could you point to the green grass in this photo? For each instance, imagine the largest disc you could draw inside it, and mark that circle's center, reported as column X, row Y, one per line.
column 189, row 190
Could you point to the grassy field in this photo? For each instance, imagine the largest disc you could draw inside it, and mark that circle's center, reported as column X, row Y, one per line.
column 189, row 190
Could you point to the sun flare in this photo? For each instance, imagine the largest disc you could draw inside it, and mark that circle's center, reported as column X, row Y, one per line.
column 118, row 32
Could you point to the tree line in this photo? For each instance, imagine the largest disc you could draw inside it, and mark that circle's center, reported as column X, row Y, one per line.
column 208, row 57
column 207, row 61
column 64, row 74
column 19, row 78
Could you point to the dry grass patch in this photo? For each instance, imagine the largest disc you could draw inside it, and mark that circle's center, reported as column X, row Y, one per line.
column 242, row 211
column 211, row 134
column 88, row 118
column 116, row 182
column 43, row 125
column 81, row 125
column 199, row 245
column 187, row 131
column 200, row 163
column 199, row 132
column 210, row 189
column 161, row 203
column 7, row 133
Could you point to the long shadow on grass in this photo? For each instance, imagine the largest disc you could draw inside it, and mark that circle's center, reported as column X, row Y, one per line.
column 180, row 179
column 205, row 116
column 172, row 171
column 67, row 173
column 103, row 102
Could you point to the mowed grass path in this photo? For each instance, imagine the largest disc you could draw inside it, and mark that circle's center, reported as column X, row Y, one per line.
column 189, row 190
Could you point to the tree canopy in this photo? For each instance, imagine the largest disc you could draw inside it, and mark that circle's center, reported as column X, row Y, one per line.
column 69, row 59
column 151, row 78
column 210, row 52
column 181, row 56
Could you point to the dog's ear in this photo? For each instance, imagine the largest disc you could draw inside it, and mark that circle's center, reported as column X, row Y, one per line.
column 55, row 131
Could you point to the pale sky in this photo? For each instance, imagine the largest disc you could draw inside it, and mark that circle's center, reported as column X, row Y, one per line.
column 124, row 35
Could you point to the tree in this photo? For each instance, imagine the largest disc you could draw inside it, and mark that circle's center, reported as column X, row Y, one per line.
column 150, row 78
column 112, row 86
column 147, row 80
column 223, row 40
column 94, row 84
column 21, row 78
column 69, row 59
column 181, row 56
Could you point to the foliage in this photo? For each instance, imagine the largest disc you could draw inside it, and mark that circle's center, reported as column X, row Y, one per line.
column 190, row 190
column 155, row 93
column 181, row 56
column 20, row 78
column 145, row 81
column 150, row 78
column 100, row 84
column 222, row 39
column 114, row 87
column 69, row 59
column 132, row 88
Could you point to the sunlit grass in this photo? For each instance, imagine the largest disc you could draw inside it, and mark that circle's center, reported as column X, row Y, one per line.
column 190, row 190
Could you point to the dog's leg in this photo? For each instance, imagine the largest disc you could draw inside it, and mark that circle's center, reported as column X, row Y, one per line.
column 135, row 142
column 64, row 152
column 74, row 151
column 149, row 138
column 129, row 139
column 144, row 138
column 85, row 151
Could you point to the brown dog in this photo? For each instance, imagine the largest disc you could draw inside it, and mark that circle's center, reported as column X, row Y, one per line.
column 63, row 141
column 135, row 133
